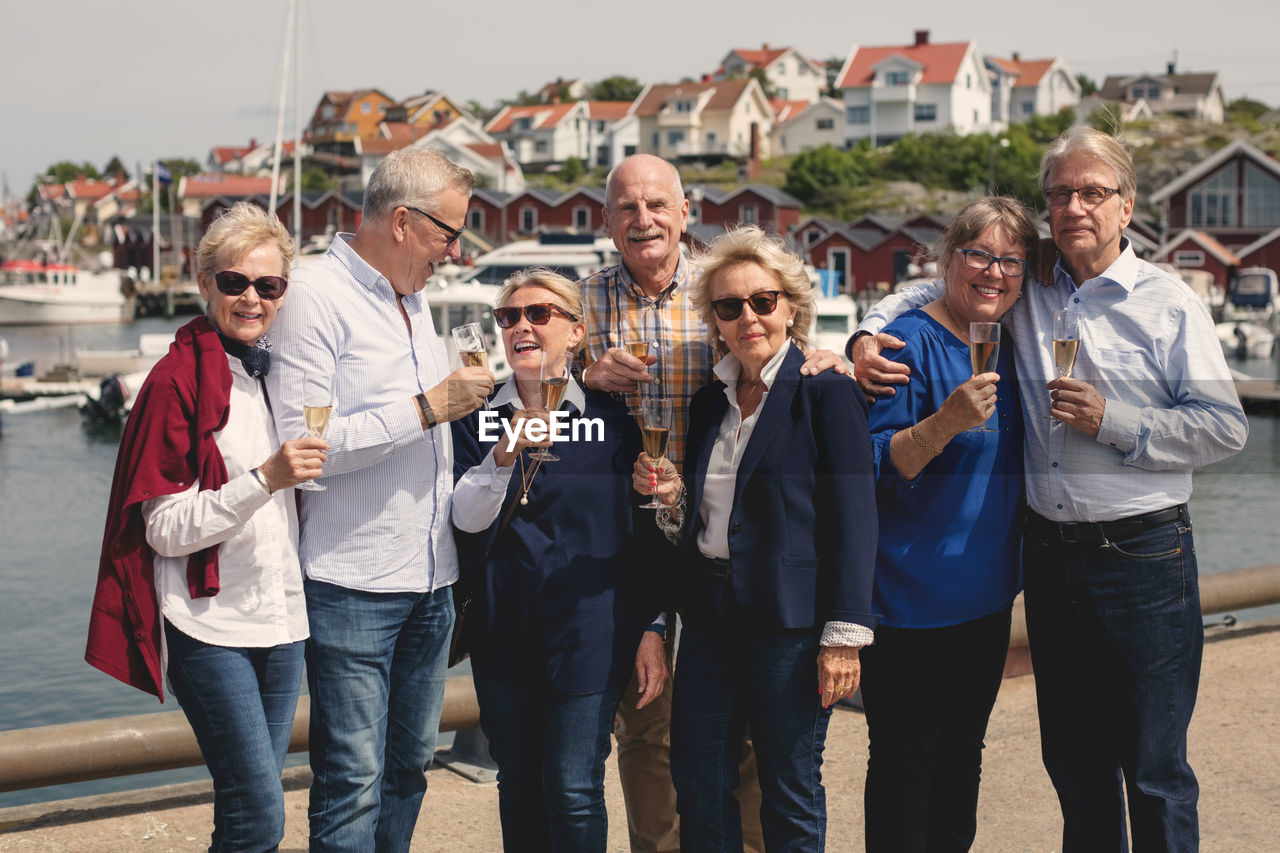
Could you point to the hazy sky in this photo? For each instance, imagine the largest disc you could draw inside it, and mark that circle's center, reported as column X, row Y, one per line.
column 147, row 78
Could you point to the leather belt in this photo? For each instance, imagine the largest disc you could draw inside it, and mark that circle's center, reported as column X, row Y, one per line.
column 1097, row 532
column 716, row 567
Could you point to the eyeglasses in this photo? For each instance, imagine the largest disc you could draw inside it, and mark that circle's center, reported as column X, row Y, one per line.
column 451, row 233
column 1089, row 196
column 762, row 303
column 980, row 260
column 234, row 283
column 539, row 314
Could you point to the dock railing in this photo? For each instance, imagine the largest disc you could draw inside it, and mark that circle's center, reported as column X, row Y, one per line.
column 121, row 746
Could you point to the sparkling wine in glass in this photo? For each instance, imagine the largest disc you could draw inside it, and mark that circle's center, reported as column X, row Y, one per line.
column 984, row 352
column 637, row 348
column 317, row 406
column 655, row 431
column 469, row 340
column 555, row 379
column 1066, row 345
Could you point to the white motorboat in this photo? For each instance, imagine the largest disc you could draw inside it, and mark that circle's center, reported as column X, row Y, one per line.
column 150, row 349
column 455, row 303
column 39, row 293
column 834, row 319
column 574, row 256
column 1254, row 296
column 1245, row 340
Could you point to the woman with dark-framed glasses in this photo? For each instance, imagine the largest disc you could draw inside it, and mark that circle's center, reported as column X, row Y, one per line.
column 774, row 568
column 563, row 566
column 199, row 585
column 949, row 497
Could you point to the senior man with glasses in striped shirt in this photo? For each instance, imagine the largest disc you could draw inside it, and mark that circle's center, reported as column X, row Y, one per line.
column 377, row 545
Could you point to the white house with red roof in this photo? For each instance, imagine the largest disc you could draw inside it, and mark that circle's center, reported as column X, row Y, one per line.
column 890, row 91
column 792, row 75
column 730, row 118
column 799, row 125
column 1021, row 88
column 462, row 140
column 542, row 136
column 195, row 191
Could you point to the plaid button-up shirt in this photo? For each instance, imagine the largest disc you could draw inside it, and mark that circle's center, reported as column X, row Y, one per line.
column 617, row 312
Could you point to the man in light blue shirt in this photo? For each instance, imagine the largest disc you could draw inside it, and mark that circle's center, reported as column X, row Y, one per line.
column 376, row 545
column 1109, row 569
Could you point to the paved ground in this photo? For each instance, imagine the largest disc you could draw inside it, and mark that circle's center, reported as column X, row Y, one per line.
column 1235, row 748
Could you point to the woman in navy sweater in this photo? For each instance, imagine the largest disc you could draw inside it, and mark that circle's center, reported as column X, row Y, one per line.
column 947, row 568
column 774, row 570
column 565, row 567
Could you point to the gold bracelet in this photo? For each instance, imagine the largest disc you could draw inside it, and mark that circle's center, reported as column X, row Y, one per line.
column 920, row 442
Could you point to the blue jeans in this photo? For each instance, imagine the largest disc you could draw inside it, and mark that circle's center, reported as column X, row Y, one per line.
column 376, row 671
column 729, row 676
column 551, row 753
column 240, row 703
column 1116, row 640
column 928, row 694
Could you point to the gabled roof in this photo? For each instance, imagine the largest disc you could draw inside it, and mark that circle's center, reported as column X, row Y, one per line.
column 761, row 58
column 231, row 186
column 392, row 136
column 541, row 116
column 1198, row 83
column 494, row 198
column 608, row 110
column 940, row 62
column 223, row 154
column 1032, row 71
column 1211, row 164
column 787, row 110
column 1204, row 241
column 1269, row 237
column 723, row 95
column 89, row 189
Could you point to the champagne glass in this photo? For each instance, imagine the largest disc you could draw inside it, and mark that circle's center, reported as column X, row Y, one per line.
column 655, row 430
column 984, row 352
column 1066, row 345
column 637, row 347
column 555, row 379
column 317, row 405
column 469, row 341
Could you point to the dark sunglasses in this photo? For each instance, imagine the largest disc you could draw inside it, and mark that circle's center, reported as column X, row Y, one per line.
column 452, row 234
column 539, row 313
column 730, row 308
column 234, row 283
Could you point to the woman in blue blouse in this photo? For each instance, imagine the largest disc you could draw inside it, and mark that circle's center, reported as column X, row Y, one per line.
column 565, row 566
column 947, row 566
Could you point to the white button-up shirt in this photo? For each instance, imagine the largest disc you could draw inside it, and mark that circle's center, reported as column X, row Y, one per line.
column 382, row 525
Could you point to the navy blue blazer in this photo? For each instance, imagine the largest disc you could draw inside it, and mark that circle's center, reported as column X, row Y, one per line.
column 802, row 531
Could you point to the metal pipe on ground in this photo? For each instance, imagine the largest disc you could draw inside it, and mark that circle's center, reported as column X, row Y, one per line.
column 121, row 746
column 97, row 749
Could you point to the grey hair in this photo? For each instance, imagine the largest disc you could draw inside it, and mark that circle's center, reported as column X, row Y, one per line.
column 239, row 230
column 1104, row 146
column 412, row 176
column 748, row 244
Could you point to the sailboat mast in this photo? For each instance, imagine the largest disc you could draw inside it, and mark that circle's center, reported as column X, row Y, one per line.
column 297, row 133
column 284, row 90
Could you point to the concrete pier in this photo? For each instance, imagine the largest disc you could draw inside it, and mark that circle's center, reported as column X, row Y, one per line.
column 1234, row 748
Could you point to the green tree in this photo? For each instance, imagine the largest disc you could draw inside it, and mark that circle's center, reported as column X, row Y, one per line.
column 1087, row 86
column 60, row 173
column 616, row 88
column 315, row 180
column 758, row 74
column 824, row 167
column 115, row 167
column 572, row 171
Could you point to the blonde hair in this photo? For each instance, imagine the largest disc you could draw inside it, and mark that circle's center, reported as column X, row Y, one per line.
column 240, row 229
column 569, row 294
column 748, row 244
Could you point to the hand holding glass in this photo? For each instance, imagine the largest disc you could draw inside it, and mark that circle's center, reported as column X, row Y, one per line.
column 469, row 340
column 655, row 429
column 984, row 353
column 1066, row 345
column 317, row 405
column 637, row 348
column 555, row 379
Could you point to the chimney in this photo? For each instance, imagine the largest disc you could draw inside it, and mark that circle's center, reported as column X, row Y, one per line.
column 765, row 47
column 1016, row 57
column 922, row 38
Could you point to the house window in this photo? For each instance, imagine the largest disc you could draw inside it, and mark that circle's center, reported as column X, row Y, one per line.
column 528, row 219
column 748, row 214
column 328, row 111
column 695, row 212
column 782, row 92
column 859, row 115
column 926, row 112
column 540, row 146
column 711, row 137
column 684, row 106
column 1188, row 259
column 1261, row 197
column 628, row 150
column 475, row 219
column 897, row 78
column 1213, row 201
column 968, row 81
column 838, row 263
column 811, row 236
column 782, row 70
column 582, row 216
column 825, row 124
column 366, row 108
column 524, row 123
column 1027, row 107
column 675, row 137
column 656, row 137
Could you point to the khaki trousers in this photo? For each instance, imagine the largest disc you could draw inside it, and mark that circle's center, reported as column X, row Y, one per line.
column 644, row 767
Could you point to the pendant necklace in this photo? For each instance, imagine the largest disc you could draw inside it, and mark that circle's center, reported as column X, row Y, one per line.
column 525, row 485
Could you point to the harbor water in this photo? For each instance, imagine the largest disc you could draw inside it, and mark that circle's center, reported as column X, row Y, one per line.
column 55, row 475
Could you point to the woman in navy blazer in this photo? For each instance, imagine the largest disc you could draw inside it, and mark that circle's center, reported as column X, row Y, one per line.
column 774, row 569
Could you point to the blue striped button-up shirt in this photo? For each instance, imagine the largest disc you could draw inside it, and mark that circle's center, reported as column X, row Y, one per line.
column 1148, row 347
column 382, row 525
